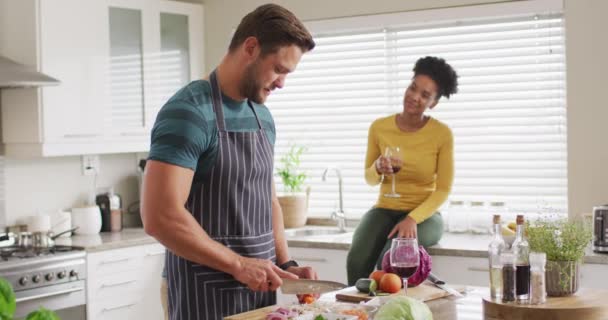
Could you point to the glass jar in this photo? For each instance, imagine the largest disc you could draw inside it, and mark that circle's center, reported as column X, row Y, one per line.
column 458, row 218
column 538, row 289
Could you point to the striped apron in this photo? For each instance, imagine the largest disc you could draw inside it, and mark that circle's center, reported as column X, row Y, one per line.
column 232, row 203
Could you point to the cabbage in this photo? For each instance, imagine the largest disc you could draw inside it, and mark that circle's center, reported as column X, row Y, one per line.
column 404, row 308
column 421, row 273
column 7, row 300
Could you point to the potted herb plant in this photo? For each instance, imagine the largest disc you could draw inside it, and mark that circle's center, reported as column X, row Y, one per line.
column 294, row 203
column 564, row 241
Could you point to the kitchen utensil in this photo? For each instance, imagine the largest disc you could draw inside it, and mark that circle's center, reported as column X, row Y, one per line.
column 303, row 286
column 441, row 284
column 61, row 220
column 600, row 229
column 47, row 239
column 87, row 219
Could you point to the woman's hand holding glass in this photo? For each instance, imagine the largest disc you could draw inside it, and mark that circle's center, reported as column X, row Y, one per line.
column 389, row 164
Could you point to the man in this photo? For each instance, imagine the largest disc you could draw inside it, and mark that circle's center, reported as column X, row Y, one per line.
column 208, row 192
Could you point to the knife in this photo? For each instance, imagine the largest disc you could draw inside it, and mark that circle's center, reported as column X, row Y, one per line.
column 441, row 285
column 303, row 286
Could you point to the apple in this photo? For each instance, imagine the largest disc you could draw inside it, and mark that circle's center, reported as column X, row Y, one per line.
column 377, row 275
column 390, row 283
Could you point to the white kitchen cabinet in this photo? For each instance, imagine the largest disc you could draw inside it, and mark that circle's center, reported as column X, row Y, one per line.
column 462, row 270
column 329, row 265
column 118, row 62
column 155, row 49
column 594, row 276
column 125, row 283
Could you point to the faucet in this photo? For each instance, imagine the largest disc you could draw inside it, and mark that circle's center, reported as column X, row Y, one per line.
column 338, row 215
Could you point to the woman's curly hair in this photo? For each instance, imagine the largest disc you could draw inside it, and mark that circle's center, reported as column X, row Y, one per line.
column 442, row 73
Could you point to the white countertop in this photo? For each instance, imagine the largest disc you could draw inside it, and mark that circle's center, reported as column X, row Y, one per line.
column 451, row 244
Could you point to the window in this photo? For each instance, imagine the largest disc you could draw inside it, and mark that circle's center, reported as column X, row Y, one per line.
column 508, row 119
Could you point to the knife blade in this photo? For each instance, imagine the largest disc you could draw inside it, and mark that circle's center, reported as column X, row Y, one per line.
column 303, row 286
column 441, row 285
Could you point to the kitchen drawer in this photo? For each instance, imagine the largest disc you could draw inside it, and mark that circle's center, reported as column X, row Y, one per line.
column 112, row 261
column 594, row 276
column 118, row 308
column 115, row 285
column 462, row 270
column 329, row 264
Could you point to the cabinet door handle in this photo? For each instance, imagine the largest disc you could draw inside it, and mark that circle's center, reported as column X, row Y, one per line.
column 118, row 307
column 82, row 135
column 155, row 254
column 479, row 269
column 114, row 261
column 310, row 259
column 109, row 285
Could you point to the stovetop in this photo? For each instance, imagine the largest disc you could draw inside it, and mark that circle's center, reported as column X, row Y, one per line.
column 15, row 252
column 29, row 268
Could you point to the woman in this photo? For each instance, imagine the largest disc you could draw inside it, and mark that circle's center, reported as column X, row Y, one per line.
column 425, row 179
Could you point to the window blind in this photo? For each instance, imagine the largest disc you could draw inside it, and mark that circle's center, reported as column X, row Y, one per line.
column 508, row 118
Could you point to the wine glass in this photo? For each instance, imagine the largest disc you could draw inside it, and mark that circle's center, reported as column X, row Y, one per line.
column 394, row 155
column 404, row 258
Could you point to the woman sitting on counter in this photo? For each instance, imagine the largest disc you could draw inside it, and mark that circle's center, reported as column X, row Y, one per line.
column 417, row 151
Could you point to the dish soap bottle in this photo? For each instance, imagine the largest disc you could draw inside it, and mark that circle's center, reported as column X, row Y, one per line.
column 496, row 247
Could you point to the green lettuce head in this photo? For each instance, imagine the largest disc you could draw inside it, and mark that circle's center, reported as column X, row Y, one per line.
column 7, row 300
column 404, row 308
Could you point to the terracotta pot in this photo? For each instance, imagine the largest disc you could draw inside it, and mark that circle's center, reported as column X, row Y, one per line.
column 562, row 278
column 295, row 208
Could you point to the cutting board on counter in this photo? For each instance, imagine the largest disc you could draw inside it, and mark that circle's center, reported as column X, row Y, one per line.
column 423, row 292
column 257, row 314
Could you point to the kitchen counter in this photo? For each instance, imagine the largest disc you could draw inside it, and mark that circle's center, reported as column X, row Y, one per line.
column 451, row 244
column 128, row 237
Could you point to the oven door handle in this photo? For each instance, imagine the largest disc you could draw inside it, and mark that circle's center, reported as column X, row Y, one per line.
column 46, row 295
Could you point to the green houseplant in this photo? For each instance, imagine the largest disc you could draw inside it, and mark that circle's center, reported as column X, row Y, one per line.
column 8, row 305
column 293, row 204
column 564, row 241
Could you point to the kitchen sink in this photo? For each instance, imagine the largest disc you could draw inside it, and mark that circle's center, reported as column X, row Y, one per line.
column 305, row 232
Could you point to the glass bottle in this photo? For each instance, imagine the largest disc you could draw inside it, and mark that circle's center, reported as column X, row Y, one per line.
column 507, row 259
column 538, row 289
column 521, row 249
column 496, row 247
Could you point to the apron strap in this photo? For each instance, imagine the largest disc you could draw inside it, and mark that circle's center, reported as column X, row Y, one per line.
column 216, row 99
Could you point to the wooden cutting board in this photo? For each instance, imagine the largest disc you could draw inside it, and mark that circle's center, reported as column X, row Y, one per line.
column 257, row 314
column 587, row 304
column 423, row 292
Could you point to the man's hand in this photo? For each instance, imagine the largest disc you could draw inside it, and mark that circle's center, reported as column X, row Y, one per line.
column 304, row 273
column 260, row 275
column 407, row 228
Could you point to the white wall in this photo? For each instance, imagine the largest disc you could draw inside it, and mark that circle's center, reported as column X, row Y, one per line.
column 50, row 184
column 587, row 67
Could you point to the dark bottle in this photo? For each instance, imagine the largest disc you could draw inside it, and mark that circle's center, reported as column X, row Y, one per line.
column 521, row 249
column 507, row 260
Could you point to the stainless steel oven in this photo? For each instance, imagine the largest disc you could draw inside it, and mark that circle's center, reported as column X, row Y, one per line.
column 50, row 277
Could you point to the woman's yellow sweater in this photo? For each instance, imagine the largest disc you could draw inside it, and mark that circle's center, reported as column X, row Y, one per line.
column 425, row 180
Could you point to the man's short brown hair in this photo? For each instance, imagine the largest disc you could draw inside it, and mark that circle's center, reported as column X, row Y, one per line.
column 274, row 27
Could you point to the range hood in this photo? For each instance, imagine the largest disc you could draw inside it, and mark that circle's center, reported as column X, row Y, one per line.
column 16, row 75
